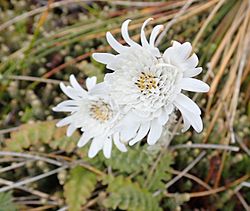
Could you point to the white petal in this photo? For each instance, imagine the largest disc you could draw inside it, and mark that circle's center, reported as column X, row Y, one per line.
column 169, row 108
column 70, row 130
column 187, row 103
column 65, row 109
column 186, row 124
column 176, row 43
column 125, row 34
column 100, row 89
column 114, row 43
column 118, row 143
column 178, row 54
column 142, row 132
column 107, row 147
column 193, row 118
column 65, row 121
column 191, row 72
column 185, row 50
column 156, row 30
column 112, row 66
column 143, row 36
column 168, row 53
column 96, row 146
column 192, row 61
column 84, row 139
column 163, row 118
column 193, row 85
column 154, row 133
column 129, row 131
column 128, row 119
column 91, row 82
column 104, row 58
column 76, row 85
column 68, row 103
column 69, row 91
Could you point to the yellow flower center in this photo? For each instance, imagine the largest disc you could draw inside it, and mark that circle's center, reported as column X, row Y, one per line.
column 100, row 111
column 146, row 82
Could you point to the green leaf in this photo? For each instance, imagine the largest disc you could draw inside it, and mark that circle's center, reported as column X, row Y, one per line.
column 39, row 133
column 79, row 187
column 6, row 202
column 62, row 142
column 158, row 180
column 134, row 160
column 127, row 195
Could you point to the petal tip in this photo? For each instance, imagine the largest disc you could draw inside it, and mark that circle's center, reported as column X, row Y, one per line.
column 58, row 124
column 79, row 144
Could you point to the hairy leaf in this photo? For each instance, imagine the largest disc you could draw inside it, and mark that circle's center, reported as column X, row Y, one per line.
column 135, row 160
column 160, row 176
column 6, row 203
column 39, row 133
column 126, row 195
column 79, row 187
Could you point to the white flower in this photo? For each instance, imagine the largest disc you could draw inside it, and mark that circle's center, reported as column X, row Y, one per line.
column 94, row 112
column 147, row 85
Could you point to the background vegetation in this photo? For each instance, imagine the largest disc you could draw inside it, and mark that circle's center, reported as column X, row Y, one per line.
column 43, row 42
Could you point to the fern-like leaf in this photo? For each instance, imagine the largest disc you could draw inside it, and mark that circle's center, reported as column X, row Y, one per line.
column 135, row 160
column 6, row 202
column 79, row 187
column 126, row 195
column 160, row 176
column 39, row 133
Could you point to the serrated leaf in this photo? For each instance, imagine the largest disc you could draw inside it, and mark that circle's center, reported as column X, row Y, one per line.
column 160, row 176
column 41, row 133
column 62, row 142
column 128, row 195
column 135, row 160
column 6, row 202
column 79, row 187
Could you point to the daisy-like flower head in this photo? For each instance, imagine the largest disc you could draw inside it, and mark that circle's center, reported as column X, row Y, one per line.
column 94, row 112
column 147, row 84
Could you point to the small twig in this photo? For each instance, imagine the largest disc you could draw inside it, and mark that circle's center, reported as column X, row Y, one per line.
column 37, row 79
column 210, row 192
column 243, row 60
column 242, row 145
column 78, row 162
column 187, row 169
column 245, row 184
column 36, row 202
column 42, row 208
column 33, row 179
column 63, row 208
column 8, row 130
column 173, row 21
column 206, row 146
column 192, row 177
column 137, row 3
column 8, row 160
column 243, row 201
column 30, row 156
column 12, row 166
column 209, row 18
column 29, row 190
column 90, row 203
column 182, row 173
column 37, row 11
column 240, row 197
